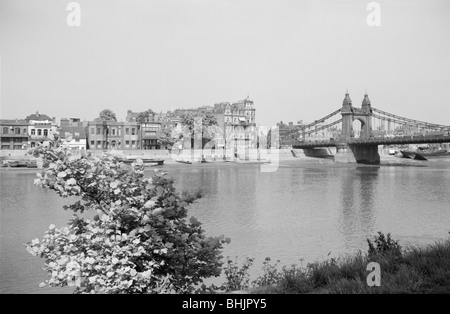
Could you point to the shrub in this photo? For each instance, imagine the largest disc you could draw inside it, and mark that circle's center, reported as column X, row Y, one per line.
column 384, row 245
column 139, row 241
column 270, row 274
column 238, row 278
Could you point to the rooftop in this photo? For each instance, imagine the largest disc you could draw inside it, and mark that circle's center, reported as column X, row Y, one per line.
column 38, row 117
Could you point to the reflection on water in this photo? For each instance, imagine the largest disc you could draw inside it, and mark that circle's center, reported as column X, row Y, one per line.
column 358, row 187
column 305, row 210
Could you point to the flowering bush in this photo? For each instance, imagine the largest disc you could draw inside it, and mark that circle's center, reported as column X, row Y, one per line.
column 138, row 242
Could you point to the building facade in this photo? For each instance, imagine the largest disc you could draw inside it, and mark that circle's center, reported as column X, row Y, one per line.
column 148, row 128
column 149, row 135
column 103, row 135
column 73, row 133
column 14, row 134
column 238, row 124
column 40, row 128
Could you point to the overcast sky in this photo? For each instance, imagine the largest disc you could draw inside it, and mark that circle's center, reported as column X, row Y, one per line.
column 295, row 59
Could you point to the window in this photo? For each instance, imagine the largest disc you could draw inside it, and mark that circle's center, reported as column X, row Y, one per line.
column 5, row 130
column 33, row 131
column 99, row 144
column 133, row 131
column 98, row 131
column 77, row 140
column 24, row 131
column 133, row 143
column 92, row 144
column 39, row 132
column 92, row 130
column 45, row 132
column 127, row 131
column 113, row 131
column 127, row 143
column 17, row 130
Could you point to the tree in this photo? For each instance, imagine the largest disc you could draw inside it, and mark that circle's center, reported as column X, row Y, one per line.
column 166, row 138
column 107, row 115
column 138, row 242
column 145, row 116
column 282, row 125
column 206, row 130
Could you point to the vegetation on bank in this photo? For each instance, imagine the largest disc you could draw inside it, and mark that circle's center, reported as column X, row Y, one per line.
column 409, row 270
column 141, row 242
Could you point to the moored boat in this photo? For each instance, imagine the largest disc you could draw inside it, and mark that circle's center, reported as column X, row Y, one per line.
column 184, row 161
column 431, row 151
column 130, row 160
column 412, row 155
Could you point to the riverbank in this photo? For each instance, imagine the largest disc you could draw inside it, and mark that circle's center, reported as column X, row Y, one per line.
column 170, row 158
column 414, row 270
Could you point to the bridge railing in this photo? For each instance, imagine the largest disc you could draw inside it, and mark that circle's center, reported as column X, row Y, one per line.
column 376, row 140
column 403, row 139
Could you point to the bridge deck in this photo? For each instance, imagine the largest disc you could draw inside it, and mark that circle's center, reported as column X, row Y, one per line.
column 377, row 141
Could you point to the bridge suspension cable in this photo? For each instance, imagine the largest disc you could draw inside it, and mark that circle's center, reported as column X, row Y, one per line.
column 321, row 120
column 321, row 128
column 403, row 120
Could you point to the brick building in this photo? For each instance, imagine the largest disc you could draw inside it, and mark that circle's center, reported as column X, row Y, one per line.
column 14, row 134
column 103, row 135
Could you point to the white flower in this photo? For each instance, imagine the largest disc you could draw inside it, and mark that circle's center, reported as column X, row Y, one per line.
column 149, row 204
column 90, row 260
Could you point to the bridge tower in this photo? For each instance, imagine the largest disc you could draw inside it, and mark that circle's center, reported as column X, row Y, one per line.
column 350, row 114
column 347, row 152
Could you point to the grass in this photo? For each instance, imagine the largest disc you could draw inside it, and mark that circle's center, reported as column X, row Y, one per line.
column 410, row 270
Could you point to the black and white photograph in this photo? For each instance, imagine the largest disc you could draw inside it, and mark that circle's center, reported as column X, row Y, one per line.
column 224, row 151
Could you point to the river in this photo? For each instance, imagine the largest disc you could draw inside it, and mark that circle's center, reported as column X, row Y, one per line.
column 307, row 210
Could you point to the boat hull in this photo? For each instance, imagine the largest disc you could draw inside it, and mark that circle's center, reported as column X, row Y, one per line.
column 437, row 152
column 412, row 155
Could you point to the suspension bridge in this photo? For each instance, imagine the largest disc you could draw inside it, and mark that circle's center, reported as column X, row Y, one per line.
column 376, row 127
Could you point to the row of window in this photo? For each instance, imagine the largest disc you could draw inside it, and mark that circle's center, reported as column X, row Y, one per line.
column 6, row 130
column 114, row 131
column 112, row 144
column 16, row 130
column 14, row 147
column 39, row 132
column 14, row 139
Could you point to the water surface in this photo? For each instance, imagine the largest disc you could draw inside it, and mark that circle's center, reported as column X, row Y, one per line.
column 306, row 210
